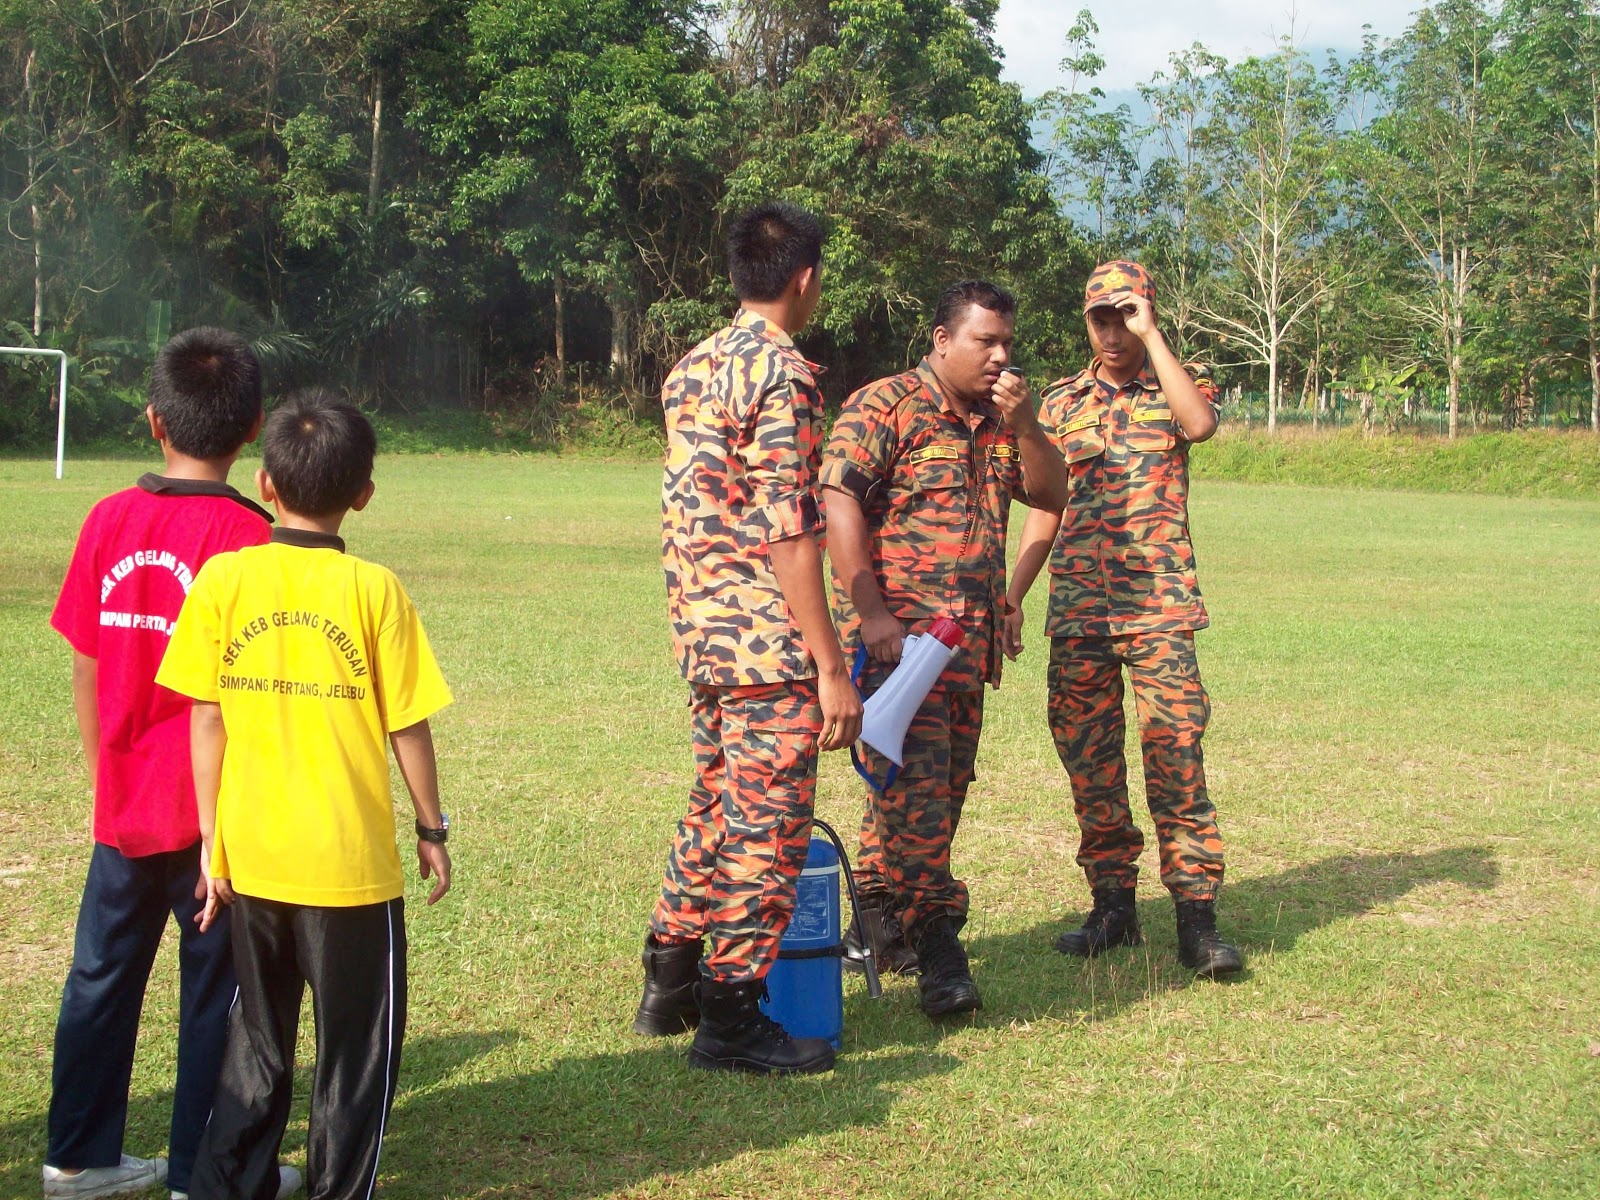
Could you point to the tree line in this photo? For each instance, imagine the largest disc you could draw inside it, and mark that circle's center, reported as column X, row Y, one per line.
column 478, row 201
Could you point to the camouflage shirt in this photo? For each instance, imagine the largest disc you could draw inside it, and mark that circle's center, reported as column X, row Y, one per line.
column 936, row 490
column 1122, row 562
column 744, row 437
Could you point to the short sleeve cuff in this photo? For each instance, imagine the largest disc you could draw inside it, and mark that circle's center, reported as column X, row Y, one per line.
column 789, row 517
column 80, row 639
column 1205, row 381
column 196, row 687
column 421, row 709
column 845, row 476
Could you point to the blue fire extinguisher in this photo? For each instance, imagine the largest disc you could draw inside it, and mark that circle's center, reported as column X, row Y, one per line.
column 805, row 987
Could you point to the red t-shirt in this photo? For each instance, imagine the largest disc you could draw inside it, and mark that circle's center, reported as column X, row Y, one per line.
column 137, row 555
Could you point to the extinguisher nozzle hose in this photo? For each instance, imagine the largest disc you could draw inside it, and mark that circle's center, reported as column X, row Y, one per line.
column 868, row 962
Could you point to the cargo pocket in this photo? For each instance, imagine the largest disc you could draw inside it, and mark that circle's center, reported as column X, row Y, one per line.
column 1158, row 578
column 1073, row 562
column 775, row 750
column 1159, row 558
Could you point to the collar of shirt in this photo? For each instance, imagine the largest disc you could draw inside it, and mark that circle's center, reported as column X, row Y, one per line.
column 745, row 319
column 1146, row 380
column 307, row 539
column 977, row 414
column 160, row 485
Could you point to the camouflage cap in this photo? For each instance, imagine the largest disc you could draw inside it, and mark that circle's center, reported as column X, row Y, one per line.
column 1113, row 281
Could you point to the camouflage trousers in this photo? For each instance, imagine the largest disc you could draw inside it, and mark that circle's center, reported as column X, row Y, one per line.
column 1087, row 722
column 904, row 847
column 739, row 848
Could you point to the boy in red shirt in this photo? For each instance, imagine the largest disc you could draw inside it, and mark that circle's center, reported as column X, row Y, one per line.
column 137, row 555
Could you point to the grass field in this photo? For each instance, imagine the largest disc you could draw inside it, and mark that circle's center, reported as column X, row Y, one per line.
column 1405, row 753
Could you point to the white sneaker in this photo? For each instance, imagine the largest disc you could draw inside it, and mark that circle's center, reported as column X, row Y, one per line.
column 288, row 1184
column 130, row 1175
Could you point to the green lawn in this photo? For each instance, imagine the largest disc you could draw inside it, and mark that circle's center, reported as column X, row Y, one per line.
column 1405, row 753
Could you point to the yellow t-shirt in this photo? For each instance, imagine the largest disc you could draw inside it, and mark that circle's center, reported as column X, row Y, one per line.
column 315, row 657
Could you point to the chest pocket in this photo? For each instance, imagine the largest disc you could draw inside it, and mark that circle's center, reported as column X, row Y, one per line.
column 1005, row 462
column 938, row 475
column 1152, row 430
column 1084, row 442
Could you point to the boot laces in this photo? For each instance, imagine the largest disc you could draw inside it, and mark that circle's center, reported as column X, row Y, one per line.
column 1106, row 908
column 759, row 1025
column 767, row 1029
column 892, row 932
column 1100, row 914
column 942, row 955
column 1201, row 920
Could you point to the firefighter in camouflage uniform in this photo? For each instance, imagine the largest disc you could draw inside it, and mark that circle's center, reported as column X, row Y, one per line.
column 918, row 480
column 1123, row 595
column 768, row 683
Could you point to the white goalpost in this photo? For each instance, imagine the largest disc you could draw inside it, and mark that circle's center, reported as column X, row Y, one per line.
column 61, row 396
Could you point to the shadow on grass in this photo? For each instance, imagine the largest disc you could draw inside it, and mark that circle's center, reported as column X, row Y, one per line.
column 1024, row 978
column 150, row 1114
column 582, row 1126
column 586, row 1126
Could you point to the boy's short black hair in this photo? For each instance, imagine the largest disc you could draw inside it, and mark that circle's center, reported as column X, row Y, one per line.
column 318, row 450
column 964, row 294
column 206, row 388
column 767, row 245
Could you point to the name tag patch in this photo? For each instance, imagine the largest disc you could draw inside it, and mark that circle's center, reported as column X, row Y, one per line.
column 1153, row 414
column 1088, row 421
column 935, row 453
column 1004, row 452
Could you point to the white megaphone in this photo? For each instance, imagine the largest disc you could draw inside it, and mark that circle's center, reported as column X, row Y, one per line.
column 887, row 713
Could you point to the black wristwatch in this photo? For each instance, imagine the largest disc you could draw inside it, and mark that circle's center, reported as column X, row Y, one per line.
column 439, row 835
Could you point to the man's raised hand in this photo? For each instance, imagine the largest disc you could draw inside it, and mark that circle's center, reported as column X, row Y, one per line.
column 1014, row 400
column 1139, row 315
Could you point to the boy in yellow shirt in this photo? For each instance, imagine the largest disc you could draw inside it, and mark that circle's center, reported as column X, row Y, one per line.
column 302, row 660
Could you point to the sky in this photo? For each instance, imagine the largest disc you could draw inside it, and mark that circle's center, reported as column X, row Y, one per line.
column 1136, row 37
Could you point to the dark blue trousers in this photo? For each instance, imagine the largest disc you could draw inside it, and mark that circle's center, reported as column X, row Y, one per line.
column 126, row 904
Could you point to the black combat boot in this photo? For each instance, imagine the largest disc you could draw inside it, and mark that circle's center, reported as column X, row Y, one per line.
column 671, row 971
column 735, row 1035
column 1111, row 922
column 888, row 936
column 1200, row 946
column 946, row 982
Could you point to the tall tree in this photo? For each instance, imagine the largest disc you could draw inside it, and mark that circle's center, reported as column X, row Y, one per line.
column 561, row 127
column 1174, row 180
column 1548, row 83
column 898, row 128
column 1267, row 148
column 1093, row 159
column 1426, row 166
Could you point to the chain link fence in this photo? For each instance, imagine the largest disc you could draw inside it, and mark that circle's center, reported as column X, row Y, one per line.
column 1419, row 410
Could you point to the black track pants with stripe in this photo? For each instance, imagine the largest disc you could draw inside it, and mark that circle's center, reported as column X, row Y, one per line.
column 354, row 960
